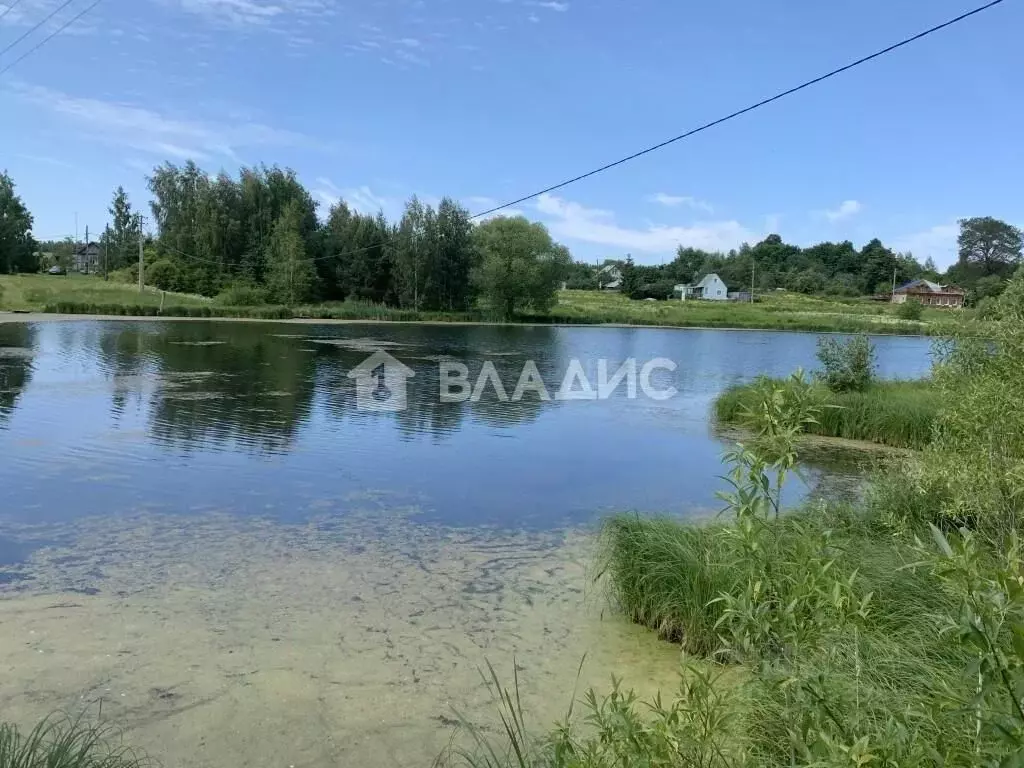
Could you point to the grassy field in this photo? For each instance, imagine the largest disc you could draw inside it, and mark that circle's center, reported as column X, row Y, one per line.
column 777, row 310
column 78, row 294
column 33, row 293
column 895, row 413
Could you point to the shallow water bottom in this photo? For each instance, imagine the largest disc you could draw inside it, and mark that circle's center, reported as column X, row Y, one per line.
column 214, row 640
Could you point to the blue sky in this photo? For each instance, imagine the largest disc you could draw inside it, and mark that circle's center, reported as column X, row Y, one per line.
column 487, row 100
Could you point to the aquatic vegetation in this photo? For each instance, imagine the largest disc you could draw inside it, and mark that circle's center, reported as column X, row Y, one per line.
column 901, row 414
column 63, row 742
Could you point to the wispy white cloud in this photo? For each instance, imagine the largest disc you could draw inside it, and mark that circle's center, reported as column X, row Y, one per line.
column 674, row 201
column 533, row 18
column 47, row 160
column 939, row 242
column 362, row 198
column 571, row 220
column 552, row 5
column 479, row 203
column 271, row 14
column 149, row 130
column 410, row 42
column 846, row 209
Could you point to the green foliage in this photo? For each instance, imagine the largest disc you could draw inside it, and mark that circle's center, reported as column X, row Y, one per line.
column 290, row 272
column 64, row 743
column 242, row 294
column 900, row 414
column 163, row 274
column 972, row 474
column 630, row 279
column 911, row 309
column 847, row 365
column 520, row 265
column 857, row 646
column 989, row 246
column 694, row 728
column 17, row 248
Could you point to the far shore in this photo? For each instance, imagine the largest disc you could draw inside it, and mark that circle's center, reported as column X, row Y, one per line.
column 42, row 317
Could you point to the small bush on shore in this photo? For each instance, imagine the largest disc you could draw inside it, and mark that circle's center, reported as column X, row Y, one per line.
column 911, row 309
column 242, row 295
column 847, row 365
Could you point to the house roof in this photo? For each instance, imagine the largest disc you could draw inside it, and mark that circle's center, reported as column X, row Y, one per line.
column 928, row 286
column 710, row 276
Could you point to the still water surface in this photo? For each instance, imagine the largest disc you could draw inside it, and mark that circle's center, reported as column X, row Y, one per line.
column 201, row 529
column 262, row 420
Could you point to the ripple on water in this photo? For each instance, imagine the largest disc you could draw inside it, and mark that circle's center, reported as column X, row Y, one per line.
column 347, row 640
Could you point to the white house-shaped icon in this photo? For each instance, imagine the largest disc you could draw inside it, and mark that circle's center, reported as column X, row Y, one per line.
column 381, row 383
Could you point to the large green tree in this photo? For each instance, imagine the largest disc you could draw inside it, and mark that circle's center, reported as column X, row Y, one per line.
column 123, row 237
column 520, row 267
column 17, row 248
column 989, row 246
column 291, row 275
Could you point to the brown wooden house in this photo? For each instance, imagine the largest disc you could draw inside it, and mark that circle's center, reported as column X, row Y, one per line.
column 930, row 294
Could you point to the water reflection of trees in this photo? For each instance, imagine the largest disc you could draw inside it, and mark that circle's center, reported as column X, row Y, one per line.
column 239, row 385
column 212, row 385
column 17, row 348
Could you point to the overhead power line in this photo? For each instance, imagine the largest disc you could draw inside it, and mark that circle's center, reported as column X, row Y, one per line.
column 745, row 110
column 49, row 37
column 9, row 8
column 719, row 121
column 31, row 30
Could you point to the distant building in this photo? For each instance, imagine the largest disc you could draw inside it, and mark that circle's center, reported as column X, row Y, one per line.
column 609, row 278
column 86, row 258
column 930, row 294
column 710, row 288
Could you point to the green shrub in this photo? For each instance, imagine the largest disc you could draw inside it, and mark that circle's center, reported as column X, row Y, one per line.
column 163, row 274
column 911, row 309
column 242, row 295
column 847, row 365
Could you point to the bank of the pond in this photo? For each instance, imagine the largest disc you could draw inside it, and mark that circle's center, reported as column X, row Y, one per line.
column 738, row 318
column 899, row 414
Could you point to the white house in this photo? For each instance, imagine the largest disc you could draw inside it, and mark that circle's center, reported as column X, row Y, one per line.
column 710, row 288
column 609, row 278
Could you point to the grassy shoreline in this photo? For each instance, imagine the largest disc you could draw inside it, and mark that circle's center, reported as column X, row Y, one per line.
column 898, row 414
column 90, row 295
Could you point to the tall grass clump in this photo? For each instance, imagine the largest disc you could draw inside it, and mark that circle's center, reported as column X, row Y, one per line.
column 62, row 742
column 900, row 414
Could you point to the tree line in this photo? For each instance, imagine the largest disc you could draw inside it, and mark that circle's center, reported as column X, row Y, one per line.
column 257, row 237
column 989, row 252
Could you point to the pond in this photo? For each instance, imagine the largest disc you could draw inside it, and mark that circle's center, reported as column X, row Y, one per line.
column 248, row 554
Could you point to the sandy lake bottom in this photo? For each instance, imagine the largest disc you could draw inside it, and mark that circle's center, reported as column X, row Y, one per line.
column 217, row 640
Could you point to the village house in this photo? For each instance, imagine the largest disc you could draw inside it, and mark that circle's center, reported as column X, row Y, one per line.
column 87, row 258
column 930, row 294
column 711, row 288
column 609, row 278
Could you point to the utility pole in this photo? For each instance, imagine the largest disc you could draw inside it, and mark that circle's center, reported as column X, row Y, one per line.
column 142, row 266
column 753, row 264
column 86, row 254
column 106, row 244
column 893, row 283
